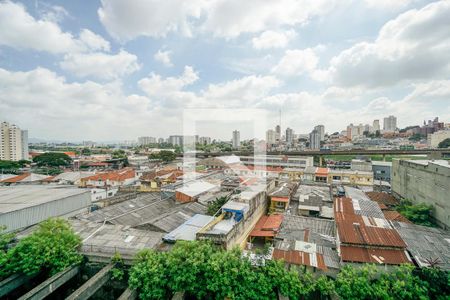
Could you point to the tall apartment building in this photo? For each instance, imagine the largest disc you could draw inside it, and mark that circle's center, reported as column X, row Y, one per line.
column 390, row 124
column 278, row 133
column 204, row 140
column 271, row 137
column 13, row 142
column 289, row 136
column 321, row 130
column 424, row 181
column 314, row 140
column 176, row 140
column 236, row 139
column 146, row 140
column 376, row 125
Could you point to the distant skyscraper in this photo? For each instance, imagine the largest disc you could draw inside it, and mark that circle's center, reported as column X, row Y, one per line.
column 321, row 130
column 271, row 137
column 160, row 140
column 376, row 125
column 146, row 140
column 13, row 142
column 176, row 140
column 289, row 136
column 314, row 140
column 278, row 132
column 204, row 140
column 236, row 139
column 390, row 124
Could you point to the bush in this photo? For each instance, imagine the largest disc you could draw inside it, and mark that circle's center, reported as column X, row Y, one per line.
column 419, row 214
column 51, row 248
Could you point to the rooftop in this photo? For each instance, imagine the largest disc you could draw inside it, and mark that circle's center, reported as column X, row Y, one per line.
column 14, row 198
column 196, row 188
column 267, row 226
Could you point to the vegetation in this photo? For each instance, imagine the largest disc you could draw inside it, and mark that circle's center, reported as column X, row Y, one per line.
column 50, row 249
column 206, row 272
column 53, row 159
column 118, row 271
column 444, row 144
column 215, row 205
column 12, row 166
column 164, row 155
column 118, row 154
column 419, row 214
column 86, row 152
column 417, row 137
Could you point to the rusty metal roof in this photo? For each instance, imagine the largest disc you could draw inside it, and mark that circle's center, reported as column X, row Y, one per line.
column 374, row 255
column 356, row 229
column 300, row 258
column 267, row 226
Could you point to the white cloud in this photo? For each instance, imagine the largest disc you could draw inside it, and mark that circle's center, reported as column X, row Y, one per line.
column 20, row 30
column 163, row 57
column 100, row 65
column 94, row 41
column 125, row 20
column 388, row 4
column 155, row 85
column 273, row 39
column 296, row 62
column 414, row 45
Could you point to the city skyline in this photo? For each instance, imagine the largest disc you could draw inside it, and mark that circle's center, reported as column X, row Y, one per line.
column 100, row 72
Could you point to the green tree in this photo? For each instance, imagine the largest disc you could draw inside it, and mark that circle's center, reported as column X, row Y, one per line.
column 444, row 144
column 118, row 154
column 416, row 137
column 53, row 159
column 215, row 205
column 148, row 275
column 51, row 248
column 436, row 280
column 358, row 283
column 86, row 152
column 117, row 272
column 420, row 214
column 9, row 166
column 167, row 156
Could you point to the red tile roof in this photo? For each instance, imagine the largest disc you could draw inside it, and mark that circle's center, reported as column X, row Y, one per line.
column 280, row 199
column 299, row 258
column 119, row 175
column 16, row 178
column 373, row 255
column 322, row 172
column 384, row 198
column 358, row 230
column 393, row 215
column 267, row 226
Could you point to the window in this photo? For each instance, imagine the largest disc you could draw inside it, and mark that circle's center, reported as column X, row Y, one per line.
column 279, row 204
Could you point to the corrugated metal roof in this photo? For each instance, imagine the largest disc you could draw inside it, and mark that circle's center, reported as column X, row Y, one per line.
column 188, row 230
column 267, row 226
column 354, row 229
column 373, row 255
column 300, row 258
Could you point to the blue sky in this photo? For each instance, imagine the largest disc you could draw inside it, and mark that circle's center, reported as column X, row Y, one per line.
column 115, row 70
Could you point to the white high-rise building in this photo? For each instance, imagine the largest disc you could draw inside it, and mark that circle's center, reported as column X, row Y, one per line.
column 314, row 140
column 376, row 125
column 13, row 142
column 390, row 124
column 278, row 133
column 204, row 140
column 146, row 140
column 321, row 130
column 236, row 139
column 289, row 136
column 271, row 136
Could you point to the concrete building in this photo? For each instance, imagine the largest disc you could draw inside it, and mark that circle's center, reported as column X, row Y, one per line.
column 236, row 141
column 376, row 125
column 176, row 140
column 390, row 124
column 434, row 139
column 23, row 206
column 314, row 140
column 424, row 181
column 204, row 140
column 13, row 142
column 271, row 136
column 289, row 136
column 321, row 130
column 278, row 161
column 382, row 170
column 278, row 133
column 146, row 140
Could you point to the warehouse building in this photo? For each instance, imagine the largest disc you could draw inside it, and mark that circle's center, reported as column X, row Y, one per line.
column 23, row 206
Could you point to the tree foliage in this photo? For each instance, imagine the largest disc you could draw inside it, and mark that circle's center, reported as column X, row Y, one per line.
column 51, row 248
column 205, row 272
column 444, row 144
column 164, row 155
column 215, row 205
column 420, row 214
column 53, row 159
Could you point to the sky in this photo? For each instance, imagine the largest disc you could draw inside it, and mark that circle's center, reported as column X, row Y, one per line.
column 115, row 70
